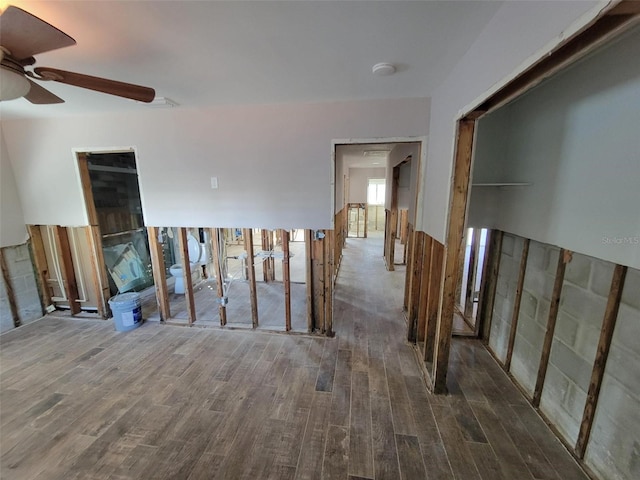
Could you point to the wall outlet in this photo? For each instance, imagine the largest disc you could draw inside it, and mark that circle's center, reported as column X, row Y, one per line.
column 214, row 182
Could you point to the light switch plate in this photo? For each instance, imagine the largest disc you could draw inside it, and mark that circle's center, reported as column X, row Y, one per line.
column 214, row 182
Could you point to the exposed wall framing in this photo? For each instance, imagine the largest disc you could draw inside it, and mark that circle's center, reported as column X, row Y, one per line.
column 11, row 298
column 159, row 274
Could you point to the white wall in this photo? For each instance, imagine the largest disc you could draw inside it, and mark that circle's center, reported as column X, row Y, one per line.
column 517, row 34
column 359, row 182
column 576, row 138
column 407, row 194
column 273, row 162
column 12, row 225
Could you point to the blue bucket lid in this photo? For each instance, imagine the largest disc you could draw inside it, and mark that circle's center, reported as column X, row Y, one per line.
column 125, row 297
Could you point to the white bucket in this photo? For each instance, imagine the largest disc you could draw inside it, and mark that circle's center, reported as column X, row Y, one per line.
column 127, row 311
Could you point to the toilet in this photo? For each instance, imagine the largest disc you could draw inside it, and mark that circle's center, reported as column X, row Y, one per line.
column 197, row 257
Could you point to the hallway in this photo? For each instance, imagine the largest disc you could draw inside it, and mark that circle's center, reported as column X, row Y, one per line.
column 81, row 401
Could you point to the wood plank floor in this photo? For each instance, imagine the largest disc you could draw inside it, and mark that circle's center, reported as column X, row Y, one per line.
column 81, row 401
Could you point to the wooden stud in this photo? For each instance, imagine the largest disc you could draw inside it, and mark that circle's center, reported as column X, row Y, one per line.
column 457, row 213
column 286, row 279
column 66, row 268
column 407, row 277
column 366, row 219
column 318, row 280
column 41, row 265
column 433, row 298
column 308, row 250
column 414, row 295
column 96, row 277
column 470, row 287
column 602, row 354
column 247, row 233
column 186, row 274
column 8, row 285
column 87, row 191
column 328, row 283
column 159, row 274
column 563, row 258
column 516, row 304
column 424, row 288
column 216, row 235
column 491, row 269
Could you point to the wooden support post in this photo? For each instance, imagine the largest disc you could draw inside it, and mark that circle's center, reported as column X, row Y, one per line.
column 490, row 270
column 407, row 276
column 186, row 274
column 516, row 304
column 286, row 279
column 247, row 233
column 600, row 362
column 414, row 295
column 563, row 258
column 96, row 267
column 366, row 219
column 308, row 250
column 457, row 213
column 42, row 267
column 470, row 287
column 66, row 268
column 216, row 235
column 159, row 274
column 318, row 280
column 8, row 285
column 433, row 299
column 424, row 288
column 328, row 282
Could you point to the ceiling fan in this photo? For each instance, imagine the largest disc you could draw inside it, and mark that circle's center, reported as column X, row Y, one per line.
column 23, row 35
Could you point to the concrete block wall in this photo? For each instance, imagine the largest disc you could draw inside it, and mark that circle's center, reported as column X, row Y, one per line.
column 614, row 446
column 582, row 306
column 534, row 312
column 505, row 294
column 25, row 289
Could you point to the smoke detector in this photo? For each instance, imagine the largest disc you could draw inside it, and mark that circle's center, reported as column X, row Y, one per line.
column 383, row 69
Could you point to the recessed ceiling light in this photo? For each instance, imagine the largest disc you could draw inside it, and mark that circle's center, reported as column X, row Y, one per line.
column 383, row 69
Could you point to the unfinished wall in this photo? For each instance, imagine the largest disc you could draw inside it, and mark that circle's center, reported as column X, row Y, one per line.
column 575, row 138
column 12, row 227
column 505, row 294
column 273, row 162
column 407, row 194
column 614, row 447
column 582, row 304
column 537, row 290
column 24, row 285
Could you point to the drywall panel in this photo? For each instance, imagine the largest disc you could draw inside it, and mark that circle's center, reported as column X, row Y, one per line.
column 576, row 139
column 12, row 225
column 359, row 182
column 272, row 162
column 410, row 179
column 519, row 33
column 613, row 451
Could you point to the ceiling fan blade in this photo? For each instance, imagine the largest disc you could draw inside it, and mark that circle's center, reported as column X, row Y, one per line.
column 25, row 35
column 112, row 87
column 41, row 96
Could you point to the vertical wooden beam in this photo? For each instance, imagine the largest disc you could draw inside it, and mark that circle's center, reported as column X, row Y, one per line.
column 96, row 267
column 602, row 354
column 159, row 274
column 516, row 304
column 216, row 234
column 66, row 268
column 434, row 296
column 318, row 270
column 407, row 277
column 491, row 269
column 424, row 288
column 8, row 285
column 42, row 267
column 328, row 282
column 247, row 233
column 366, row 219
column 286, row 279
column 470, row 287
column 186, row 274
column 457, row 214
column 308, row 250
column 87, row 191
column 414, row 295
column 563, row 258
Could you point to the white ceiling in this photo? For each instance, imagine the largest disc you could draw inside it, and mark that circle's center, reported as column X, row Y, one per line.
column 200, row 53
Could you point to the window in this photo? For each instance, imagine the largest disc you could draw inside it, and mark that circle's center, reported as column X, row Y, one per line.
column 375, row 191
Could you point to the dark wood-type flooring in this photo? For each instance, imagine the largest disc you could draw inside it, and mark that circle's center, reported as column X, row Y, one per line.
column 81, row 401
